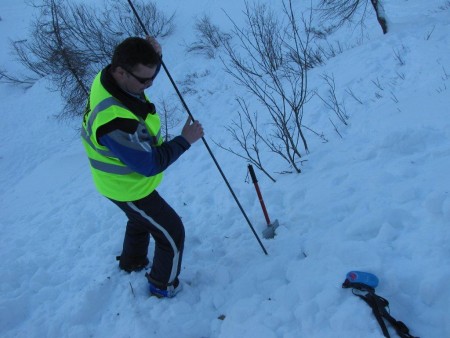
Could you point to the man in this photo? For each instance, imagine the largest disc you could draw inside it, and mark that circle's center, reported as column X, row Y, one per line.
column 121, row 135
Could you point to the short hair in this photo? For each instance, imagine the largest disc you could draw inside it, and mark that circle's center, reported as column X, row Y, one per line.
column 132, row 51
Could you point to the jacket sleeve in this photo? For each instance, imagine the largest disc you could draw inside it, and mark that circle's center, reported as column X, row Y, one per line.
column 137, row 152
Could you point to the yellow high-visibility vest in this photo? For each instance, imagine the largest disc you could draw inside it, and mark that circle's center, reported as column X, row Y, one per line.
column 112, row 177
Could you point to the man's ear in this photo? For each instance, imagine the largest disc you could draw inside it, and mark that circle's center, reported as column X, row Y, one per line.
column 119, row 74
column 119, row 70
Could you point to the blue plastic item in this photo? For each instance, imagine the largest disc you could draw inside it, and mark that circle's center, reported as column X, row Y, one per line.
column 361, row 280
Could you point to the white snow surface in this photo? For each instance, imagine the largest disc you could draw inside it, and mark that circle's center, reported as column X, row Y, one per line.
column 375, row 200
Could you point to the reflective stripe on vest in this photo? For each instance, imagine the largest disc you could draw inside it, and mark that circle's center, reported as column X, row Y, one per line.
column 102, row 166
column 105, row 104
column 156, row 138
column 110, row 168
column 86, row 137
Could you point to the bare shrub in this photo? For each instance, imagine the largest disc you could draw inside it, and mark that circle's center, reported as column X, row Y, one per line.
column 344, row 11
column 276, row 55
column 124, row 21
column 71, row 42
column 244, row 131
column 209, row 38
column 170, row 117
column 332, row 102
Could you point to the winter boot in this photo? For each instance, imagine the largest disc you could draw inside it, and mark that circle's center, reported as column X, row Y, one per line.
column 168, row 291
column 130, row 264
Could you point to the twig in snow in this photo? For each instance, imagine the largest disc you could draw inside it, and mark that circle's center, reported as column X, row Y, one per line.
column 132, row 290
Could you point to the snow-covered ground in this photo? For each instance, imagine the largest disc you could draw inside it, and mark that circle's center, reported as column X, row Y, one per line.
column 377, row 200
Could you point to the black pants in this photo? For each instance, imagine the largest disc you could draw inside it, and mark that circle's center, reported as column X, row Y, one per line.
column 153, row 216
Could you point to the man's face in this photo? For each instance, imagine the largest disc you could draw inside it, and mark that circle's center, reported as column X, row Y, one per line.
column 137, row 79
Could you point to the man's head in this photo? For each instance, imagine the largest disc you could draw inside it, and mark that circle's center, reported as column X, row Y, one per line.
column 135, row 64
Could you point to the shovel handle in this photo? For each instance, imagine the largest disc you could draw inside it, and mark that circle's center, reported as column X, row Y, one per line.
column 252, row 173
column 258, row 192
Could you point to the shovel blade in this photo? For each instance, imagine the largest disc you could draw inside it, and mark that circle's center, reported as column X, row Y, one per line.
column 269, row 232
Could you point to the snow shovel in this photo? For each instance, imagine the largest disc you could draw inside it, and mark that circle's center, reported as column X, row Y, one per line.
column 268, row 232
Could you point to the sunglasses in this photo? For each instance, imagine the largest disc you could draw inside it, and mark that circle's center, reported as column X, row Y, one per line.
column 144, row 80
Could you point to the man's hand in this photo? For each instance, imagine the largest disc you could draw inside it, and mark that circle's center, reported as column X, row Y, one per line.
column 192, row 132
column 156, row 46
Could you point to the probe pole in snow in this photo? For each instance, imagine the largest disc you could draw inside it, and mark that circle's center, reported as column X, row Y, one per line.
column 203, row 139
